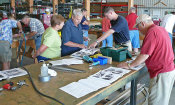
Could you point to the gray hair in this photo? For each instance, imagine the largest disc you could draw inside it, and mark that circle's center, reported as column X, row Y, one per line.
column 77, row 12
column 132, row 9
column 108, row 9
column 26, row 16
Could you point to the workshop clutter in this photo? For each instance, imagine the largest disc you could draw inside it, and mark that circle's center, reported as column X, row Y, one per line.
column 119, row 53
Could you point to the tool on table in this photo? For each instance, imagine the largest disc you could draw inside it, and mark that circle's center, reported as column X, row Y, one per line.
column 44, row 76
column 8, row 86
column 21, row 83
column 87, row 59
column 65, row 69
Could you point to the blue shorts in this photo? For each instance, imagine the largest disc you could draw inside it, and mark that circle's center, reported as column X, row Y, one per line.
column 85, row 34
column 42, row 58
column 134, row 37
column 38, row 41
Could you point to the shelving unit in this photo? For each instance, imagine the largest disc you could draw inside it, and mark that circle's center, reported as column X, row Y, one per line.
column 121, row 7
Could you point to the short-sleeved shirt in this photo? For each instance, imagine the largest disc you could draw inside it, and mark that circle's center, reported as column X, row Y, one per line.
column 131, row 19
column 84, row 27
column 6, row 29
column 52, row 40
column 71, row 33
column 120, row 26
column 168, row 22
column 106, row 25
column 157, row 45
column 36, row 26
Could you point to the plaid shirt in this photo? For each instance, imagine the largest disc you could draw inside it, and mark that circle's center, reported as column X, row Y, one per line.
column 6, row 29
column 36, row 26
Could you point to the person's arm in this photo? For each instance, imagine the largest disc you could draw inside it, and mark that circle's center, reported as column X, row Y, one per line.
column 19, row 26
column 85, row 22
column 72, row 44
column 40, row 51
column 31, row 34
column 140, row 59
column 104, row 36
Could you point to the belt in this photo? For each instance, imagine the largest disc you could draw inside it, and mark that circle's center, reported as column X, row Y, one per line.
column 123, row 42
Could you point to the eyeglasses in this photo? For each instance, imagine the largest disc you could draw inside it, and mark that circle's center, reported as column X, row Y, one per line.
column 138, row 25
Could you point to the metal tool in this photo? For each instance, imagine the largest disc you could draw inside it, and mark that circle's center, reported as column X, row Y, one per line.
column 21, row 83
column 66, row 69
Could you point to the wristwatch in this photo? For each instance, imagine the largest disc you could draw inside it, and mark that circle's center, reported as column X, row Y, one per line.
column 97, row 41
column 129, row 65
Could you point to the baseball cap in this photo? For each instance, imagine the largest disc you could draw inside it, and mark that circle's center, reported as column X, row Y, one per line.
column 141, row 18
column 47, row 10
column 4, row 14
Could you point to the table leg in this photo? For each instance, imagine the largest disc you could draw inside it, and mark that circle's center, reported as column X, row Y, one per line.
column 133, row 92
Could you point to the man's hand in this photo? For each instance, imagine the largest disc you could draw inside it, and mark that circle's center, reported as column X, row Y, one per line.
column 93, row 45
column 123, row 65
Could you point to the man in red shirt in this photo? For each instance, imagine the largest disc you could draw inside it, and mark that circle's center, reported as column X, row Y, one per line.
column 133, row 31
column 158, row 55
column 106, row 25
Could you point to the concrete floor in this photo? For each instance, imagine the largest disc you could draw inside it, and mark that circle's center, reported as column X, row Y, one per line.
column 144, row 80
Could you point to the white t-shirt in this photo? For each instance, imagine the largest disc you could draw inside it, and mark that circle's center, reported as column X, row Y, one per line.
column 168, row 22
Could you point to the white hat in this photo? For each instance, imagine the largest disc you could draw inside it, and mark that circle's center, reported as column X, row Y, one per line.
column 4, row 14
column 47, row 10
column 141, row 18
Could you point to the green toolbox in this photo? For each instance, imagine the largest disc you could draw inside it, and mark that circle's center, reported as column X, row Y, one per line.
column 120, row 53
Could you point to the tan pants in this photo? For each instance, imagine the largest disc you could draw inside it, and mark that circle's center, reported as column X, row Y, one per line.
column 129, row 45
column 160, row 88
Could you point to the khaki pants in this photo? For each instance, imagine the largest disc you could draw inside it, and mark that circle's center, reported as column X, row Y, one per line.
column 129, row 45
column 160, row 88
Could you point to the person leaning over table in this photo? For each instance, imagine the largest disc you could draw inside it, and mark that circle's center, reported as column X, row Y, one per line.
column 6, row 39
column 119, row 29
column 72, row 34
column 36, row 28
column 51, row 41
column 158, row 55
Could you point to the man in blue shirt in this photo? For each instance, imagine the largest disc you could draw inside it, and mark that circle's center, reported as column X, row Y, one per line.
column 119, row 29
column 72, row 35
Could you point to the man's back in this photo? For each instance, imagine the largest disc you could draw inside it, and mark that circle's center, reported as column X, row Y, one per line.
column 131, row 19
column 168, row 22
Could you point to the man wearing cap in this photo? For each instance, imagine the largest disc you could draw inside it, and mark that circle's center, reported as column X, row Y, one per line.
column 46, row 19
column 158, row 55
column 36, row 28
column 119, row 29
column 4, row 17
column 133, row 32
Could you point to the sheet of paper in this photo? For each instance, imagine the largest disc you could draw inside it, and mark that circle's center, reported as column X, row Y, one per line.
column 94, row 82
column 77, row 89
column 16, row 72
column 69, row 61
column 83, row 52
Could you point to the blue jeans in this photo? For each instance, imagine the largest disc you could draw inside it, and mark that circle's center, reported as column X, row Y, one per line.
column 171, row 37
column 134, row 37
column 108, row 41
column 85, row 34
column 38, row 42
column 42, row 58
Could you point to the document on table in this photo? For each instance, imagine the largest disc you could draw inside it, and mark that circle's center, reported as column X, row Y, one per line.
column 16, row 72
column 69, row 61
column 94, row 82
column 81, row 53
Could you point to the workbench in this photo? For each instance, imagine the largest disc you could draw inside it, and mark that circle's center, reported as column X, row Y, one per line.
column 27, row 96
